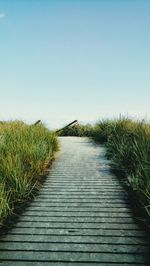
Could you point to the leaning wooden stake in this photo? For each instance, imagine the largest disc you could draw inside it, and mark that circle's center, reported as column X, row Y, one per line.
column 37, row 122
column 70, row 124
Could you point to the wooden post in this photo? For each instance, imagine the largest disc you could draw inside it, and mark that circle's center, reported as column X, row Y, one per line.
column 70, row 124
column 37, row 122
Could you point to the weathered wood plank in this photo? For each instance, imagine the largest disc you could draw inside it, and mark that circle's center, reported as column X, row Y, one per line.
column 78, row 231
column 82, row 191
column 82, row 188
column 77, row 225
column 124, row 220
column 73, row 256
column 80, row 200
column 78, row 209
column 72, row 179
column 81, row 204
column 82, row 184
column 24, row 263
column 128, row 240
column 137, row 249
column 78, row 213
column 80, row 196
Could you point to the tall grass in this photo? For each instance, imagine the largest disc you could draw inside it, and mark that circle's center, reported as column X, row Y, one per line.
column 128, row 147
column 24, row 153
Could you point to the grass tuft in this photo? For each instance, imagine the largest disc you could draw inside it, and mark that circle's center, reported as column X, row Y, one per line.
column 25, row 152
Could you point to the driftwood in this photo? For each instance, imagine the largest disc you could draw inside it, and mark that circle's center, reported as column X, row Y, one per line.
column 37, row 122
column 69, row 125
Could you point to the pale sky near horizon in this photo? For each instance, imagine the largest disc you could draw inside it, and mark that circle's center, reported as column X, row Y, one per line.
column 62, row 60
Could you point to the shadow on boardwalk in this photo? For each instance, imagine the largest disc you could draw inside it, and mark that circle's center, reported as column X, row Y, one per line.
column 81, row 216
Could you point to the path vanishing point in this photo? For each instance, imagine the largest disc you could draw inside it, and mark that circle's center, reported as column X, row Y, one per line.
column 81, row 216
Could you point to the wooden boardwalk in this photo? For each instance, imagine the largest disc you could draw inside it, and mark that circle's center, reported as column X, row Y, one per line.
column 81, row 216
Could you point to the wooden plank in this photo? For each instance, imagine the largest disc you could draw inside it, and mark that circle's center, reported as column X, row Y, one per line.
column 76, row 225
column 98, row 197
column 76, row 247
column 80, row 183
column 128, row 240
column 78, row 231
column 80, row 204
column 72, row 256
column 78, row 187
column 24, row 263
column 83, row 200
column 78, row 209
column 124, row 220
column 81, row 178
column 78, row 213
column 85, row 193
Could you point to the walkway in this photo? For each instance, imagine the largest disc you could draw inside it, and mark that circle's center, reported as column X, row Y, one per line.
column 80, row 217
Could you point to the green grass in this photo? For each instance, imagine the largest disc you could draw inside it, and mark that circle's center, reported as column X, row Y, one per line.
column 128, row 147
column 25, row 152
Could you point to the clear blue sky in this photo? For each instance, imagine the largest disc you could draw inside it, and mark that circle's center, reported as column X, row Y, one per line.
column 63, row 60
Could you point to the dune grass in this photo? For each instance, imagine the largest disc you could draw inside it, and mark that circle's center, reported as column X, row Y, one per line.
column 25, row 151
column 128, row 147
